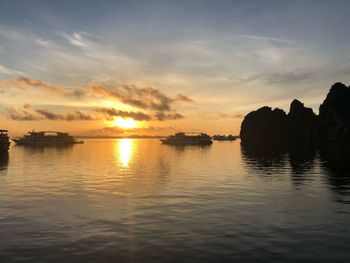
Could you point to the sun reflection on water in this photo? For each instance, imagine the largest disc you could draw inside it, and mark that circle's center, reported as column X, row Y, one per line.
column 125, row 150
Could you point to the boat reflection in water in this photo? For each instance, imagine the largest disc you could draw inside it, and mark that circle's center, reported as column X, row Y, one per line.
column 4, row 160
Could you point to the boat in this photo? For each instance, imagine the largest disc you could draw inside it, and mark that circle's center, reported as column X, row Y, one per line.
column 229, row 137
column 4, row 141
column 46, row 138
column 182, row 138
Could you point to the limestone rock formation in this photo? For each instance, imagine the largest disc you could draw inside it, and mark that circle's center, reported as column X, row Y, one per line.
column 264, row 124
column 335, row 114
column 302, row 124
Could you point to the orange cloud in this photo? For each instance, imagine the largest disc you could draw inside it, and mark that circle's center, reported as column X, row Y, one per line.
column 23, row 83
column 144, row 97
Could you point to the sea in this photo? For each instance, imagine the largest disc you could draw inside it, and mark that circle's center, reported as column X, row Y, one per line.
column 137, row 200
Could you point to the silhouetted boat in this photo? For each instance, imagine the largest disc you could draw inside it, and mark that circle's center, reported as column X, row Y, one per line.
column 181, row 138
column 4, row 141
column 43, row 138
column 229, row 137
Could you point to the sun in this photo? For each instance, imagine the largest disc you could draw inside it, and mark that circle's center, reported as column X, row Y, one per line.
column 127, row 123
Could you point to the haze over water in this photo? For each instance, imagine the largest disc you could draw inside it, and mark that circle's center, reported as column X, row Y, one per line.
column 138, row 200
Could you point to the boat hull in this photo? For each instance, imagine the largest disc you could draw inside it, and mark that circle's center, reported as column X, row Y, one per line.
column 4, row 146
column 43, row 143
column 229, row 139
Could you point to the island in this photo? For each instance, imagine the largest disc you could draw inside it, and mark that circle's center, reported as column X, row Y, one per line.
column 301, row 124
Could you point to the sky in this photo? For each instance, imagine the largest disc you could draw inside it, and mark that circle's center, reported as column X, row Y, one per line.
column 155, row 67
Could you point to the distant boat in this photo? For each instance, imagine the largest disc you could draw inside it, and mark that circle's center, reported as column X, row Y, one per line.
column 229, row 137
column 46, row 138
column 4, row 141
column 181, row 138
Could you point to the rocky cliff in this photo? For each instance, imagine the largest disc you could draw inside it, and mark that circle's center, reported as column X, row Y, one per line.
column 264, row 123
column 335, row 114
column 301, row 124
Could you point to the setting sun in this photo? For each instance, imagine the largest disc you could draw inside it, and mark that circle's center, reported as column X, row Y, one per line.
column 128, row 123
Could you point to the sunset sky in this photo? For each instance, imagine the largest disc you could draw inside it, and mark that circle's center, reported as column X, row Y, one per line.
column 155, row 67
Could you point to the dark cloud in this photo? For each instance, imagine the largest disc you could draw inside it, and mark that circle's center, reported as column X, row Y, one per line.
column 76, row 93
column 27, row 113
column 111, row 113
column 67, row 116
column 288, row 77
column 26, row 83
column 78, row 116
column 117, row 131
column 22, row 115
column 143, row 97
column 162, row 116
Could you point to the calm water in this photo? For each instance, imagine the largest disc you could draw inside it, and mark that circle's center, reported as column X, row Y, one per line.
column 140, row 201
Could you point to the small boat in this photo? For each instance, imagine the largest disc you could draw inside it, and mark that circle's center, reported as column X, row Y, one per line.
column 229, row 137
column 181, row 138
column 46, row 138
column 4, row 141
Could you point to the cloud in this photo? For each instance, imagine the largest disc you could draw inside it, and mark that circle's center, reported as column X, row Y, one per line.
column 68, row 116
column 24, row 114
column 24, row 83
column 75, row 39
column 269, row 55
column 268, row 39
column 162, row 116
column 42, row 42
column 143, row 97
column 158, row 106
column 111, row 113
column 182, row 98
column 27, row 113
column 117, row 131
column 288, row 77
column 281, row 77
column 9, row 71
column 233, row 116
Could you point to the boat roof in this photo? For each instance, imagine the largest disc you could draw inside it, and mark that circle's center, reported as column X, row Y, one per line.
column 189, row 134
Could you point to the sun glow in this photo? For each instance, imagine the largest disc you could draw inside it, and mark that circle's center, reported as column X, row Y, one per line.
column 128, row 123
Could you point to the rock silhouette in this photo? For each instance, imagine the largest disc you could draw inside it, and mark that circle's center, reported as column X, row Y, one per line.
column 335, row 114
column 265, row 124
column 301, row 124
